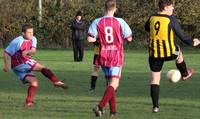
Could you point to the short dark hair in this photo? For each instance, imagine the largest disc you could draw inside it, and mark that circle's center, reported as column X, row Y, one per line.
column 79, row 13
column 110, row 4
column 163, row 3
column 26, row 26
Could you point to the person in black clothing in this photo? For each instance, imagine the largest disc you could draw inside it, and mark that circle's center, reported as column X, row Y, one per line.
column 77, row 37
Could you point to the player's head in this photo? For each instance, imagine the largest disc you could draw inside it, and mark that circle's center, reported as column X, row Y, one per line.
column 166, row 5
column 110, row 5
column 79, row 15
column 27, row 31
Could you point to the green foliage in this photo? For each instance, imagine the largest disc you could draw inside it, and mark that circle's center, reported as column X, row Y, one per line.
column 58, row 14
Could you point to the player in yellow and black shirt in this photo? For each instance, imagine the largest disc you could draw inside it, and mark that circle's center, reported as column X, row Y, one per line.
column 96, row 67
column 162, row 47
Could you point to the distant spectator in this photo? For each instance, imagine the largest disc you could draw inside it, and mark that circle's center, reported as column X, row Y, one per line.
column 77, row 37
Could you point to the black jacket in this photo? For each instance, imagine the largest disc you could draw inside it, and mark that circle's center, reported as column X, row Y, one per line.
column 77, row 30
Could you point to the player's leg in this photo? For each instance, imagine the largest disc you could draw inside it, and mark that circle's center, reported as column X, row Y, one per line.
column 33, row 84
column 26, row 76
column 155, row 89
column 95, row 70
column 112, row 102
column 155, row 66
column 49, row 74
column 112, row 105
column 181, row 65
column 109, row 95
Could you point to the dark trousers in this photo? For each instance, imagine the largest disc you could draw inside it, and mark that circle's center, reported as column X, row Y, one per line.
column 78, row 47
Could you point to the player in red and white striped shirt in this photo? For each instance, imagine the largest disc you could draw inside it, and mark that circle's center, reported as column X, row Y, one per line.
column 111, row 32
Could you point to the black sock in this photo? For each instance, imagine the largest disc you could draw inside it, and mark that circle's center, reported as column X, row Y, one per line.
column 155, row 94
column 93, row 82
column 182, row 68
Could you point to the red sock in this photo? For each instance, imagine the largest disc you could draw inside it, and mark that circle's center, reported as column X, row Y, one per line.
column 46, row 72
column 31, row 93
column 108, row 94
column 112, row 104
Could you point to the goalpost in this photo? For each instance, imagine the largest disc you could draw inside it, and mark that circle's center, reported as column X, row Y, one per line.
column 40, row 12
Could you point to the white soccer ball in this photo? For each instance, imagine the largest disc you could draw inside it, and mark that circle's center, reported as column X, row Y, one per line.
column 173, row 75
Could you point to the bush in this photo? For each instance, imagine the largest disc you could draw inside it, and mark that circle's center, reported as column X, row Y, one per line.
column 58, row 14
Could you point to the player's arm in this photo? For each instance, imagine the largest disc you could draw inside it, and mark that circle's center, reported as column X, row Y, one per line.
column 129, row 39
column 30, row 52
column 196, row 42
column 92, row 32
column 91, row 39
column 147, row 26
column 11, row 49
column 6, row 64
column 126, row 31
column 182, row 35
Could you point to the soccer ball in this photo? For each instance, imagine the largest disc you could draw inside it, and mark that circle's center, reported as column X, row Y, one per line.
column 173, row 75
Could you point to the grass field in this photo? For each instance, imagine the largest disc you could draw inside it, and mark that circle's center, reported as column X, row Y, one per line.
column 177, row 101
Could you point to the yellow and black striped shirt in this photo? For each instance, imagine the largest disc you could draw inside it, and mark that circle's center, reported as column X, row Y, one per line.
column 96, row 50
column 162, row 28
column 96, row 47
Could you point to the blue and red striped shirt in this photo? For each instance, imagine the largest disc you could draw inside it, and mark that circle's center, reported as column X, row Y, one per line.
column 111, row 32
column 17, row 46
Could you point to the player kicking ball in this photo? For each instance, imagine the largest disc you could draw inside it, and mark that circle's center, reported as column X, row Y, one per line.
column 21, row 49
column 111, row 33
column 162, row 47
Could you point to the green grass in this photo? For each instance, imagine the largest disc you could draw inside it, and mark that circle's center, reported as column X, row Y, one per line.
column 181, row 100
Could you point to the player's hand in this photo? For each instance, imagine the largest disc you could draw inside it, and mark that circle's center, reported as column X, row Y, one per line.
column 25, row 53
column 196, row 42
column 5, row 68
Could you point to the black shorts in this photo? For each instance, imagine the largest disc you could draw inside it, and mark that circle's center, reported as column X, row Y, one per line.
column 96, row 60
column 156, row 64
